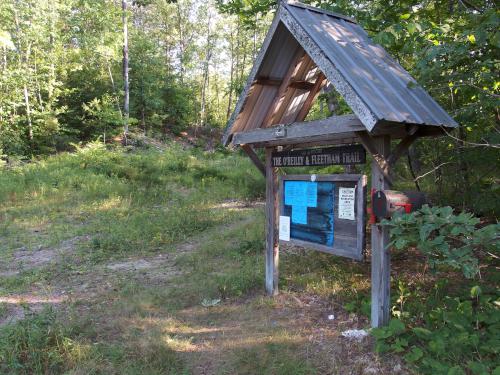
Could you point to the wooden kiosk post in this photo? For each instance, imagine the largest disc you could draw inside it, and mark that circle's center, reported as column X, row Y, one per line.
column 304, row 49
column 381, row 256
column 272, row 214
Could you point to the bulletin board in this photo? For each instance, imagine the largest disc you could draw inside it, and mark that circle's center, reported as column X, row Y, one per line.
column 324, row 212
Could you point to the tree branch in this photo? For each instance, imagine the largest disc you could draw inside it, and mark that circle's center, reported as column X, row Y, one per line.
column 469, row 5
column 471, row 144
column 432, row 170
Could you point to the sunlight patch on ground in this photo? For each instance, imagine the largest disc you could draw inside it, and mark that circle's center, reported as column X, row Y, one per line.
column 235, row 206
column 31, row 299
column 107, row 204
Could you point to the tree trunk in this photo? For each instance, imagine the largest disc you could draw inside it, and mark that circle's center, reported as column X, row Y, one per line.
column 125, row 72
column 254, row 49
column 115, row 93
column 205, row 74
column 52, row 76
column 25, row 73
column 28, row 113
column 181, row 42
column 231, row 78
column 412, row 169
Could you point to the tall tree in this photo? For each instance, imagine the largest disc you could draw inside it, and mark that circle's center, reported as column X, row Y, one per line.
column 126, row 90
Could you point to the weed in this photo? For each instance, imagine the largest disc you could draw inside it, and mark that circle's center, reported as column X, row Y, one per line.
column 272, row 359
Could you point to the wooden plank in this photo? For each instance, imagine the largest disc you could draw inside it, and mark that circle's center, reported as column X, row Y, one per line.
column 302, row 132
column 254, row 158
column 403, row 146
column 335, row 250
column 299, row 59
column 380, row 160
column 268, row 81
column 272, row 217
column 298, row 84
column 381, row 256
column 361, row 206
column 313, row 94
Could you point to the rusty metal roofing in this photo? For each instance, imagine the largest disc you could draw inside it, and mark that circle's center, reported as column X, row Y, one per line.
column 304, row 43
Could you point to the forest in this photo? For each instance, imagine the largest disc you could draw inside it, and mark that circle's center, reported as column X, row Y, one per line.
column 118, row 201
column 62, row 78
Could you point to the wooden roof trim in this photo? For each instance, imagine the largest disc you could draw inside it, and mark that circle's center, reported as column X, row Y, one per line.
column 301, row 131
column 317, row 10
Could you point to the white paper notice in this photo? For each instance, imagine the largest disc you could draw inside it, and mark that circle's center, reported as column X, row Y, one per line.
column 346, row 203
column 284, row 228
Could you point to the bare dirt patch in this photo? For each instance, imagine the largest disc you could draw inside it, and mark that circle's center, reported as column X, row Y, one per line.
column 87, row 285
column 17, row 307
column 25, row 260
column 218, row 339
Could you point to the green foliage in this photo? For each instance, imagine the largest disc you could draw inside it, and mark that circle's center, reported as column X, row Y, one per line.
column 249, row 11
column 445, row 330
column 458, row 336
column 444, row 238
column 101, row 116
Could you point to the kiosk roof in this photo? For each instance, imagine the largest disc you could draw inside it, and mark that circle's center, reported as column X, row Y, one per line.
column 307, row 47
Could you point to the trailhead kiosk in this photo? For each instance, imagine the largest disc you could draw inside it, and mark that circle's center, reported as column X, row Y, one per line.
column 305, row 49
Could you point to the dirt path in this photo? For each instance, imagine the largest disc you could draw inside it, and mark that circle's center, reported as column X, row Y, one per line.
column 230, row 337
column 86, row 285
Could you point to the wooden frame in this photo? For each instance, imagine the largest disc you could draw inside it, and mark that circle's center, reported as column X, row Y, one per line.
column 301, row 45
column 359, row 181
column 330, row 131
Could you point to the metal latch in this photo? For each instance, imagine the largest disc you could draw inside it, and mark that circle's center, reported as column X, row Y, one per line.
column 280, row 131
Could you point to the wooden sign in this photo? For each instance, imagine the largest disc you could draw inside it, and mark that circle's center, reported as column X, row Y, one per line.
column 344, row 155
column 324, row 212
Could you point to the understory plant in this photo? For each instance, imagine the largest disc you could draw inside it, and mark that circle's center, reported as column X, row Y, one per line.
column 450, row 328
column 445, row 238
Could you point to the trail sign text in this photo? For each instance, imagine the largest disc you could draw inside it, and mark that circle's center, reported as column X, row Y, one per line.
column 344, row 155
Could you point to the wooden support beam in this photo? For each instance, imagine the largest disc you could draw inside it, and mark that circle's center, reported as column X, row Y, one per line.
column 381, row 256
column 254, row 158
column 313, row 94
column 299, row 59
column 380, row 160
column 302, row 85
column 272, row 217
column 268, row 81
column 403, row 146
column 302, row 132
column 299, row 84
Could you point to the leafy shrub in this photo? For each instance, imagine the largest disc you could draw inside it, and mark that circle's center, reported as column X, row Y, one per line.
column 444, row 238
column 462, row 334
column 439, row 333
column 101, row 116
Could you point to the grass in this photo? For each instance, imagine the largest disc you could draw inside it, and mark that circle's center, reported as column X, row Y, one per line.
column 190, row 219
column 111, row 196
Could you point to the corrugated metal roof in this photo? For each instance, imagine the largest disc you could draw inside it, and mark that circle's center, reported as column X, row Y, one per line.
column 375, row 86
